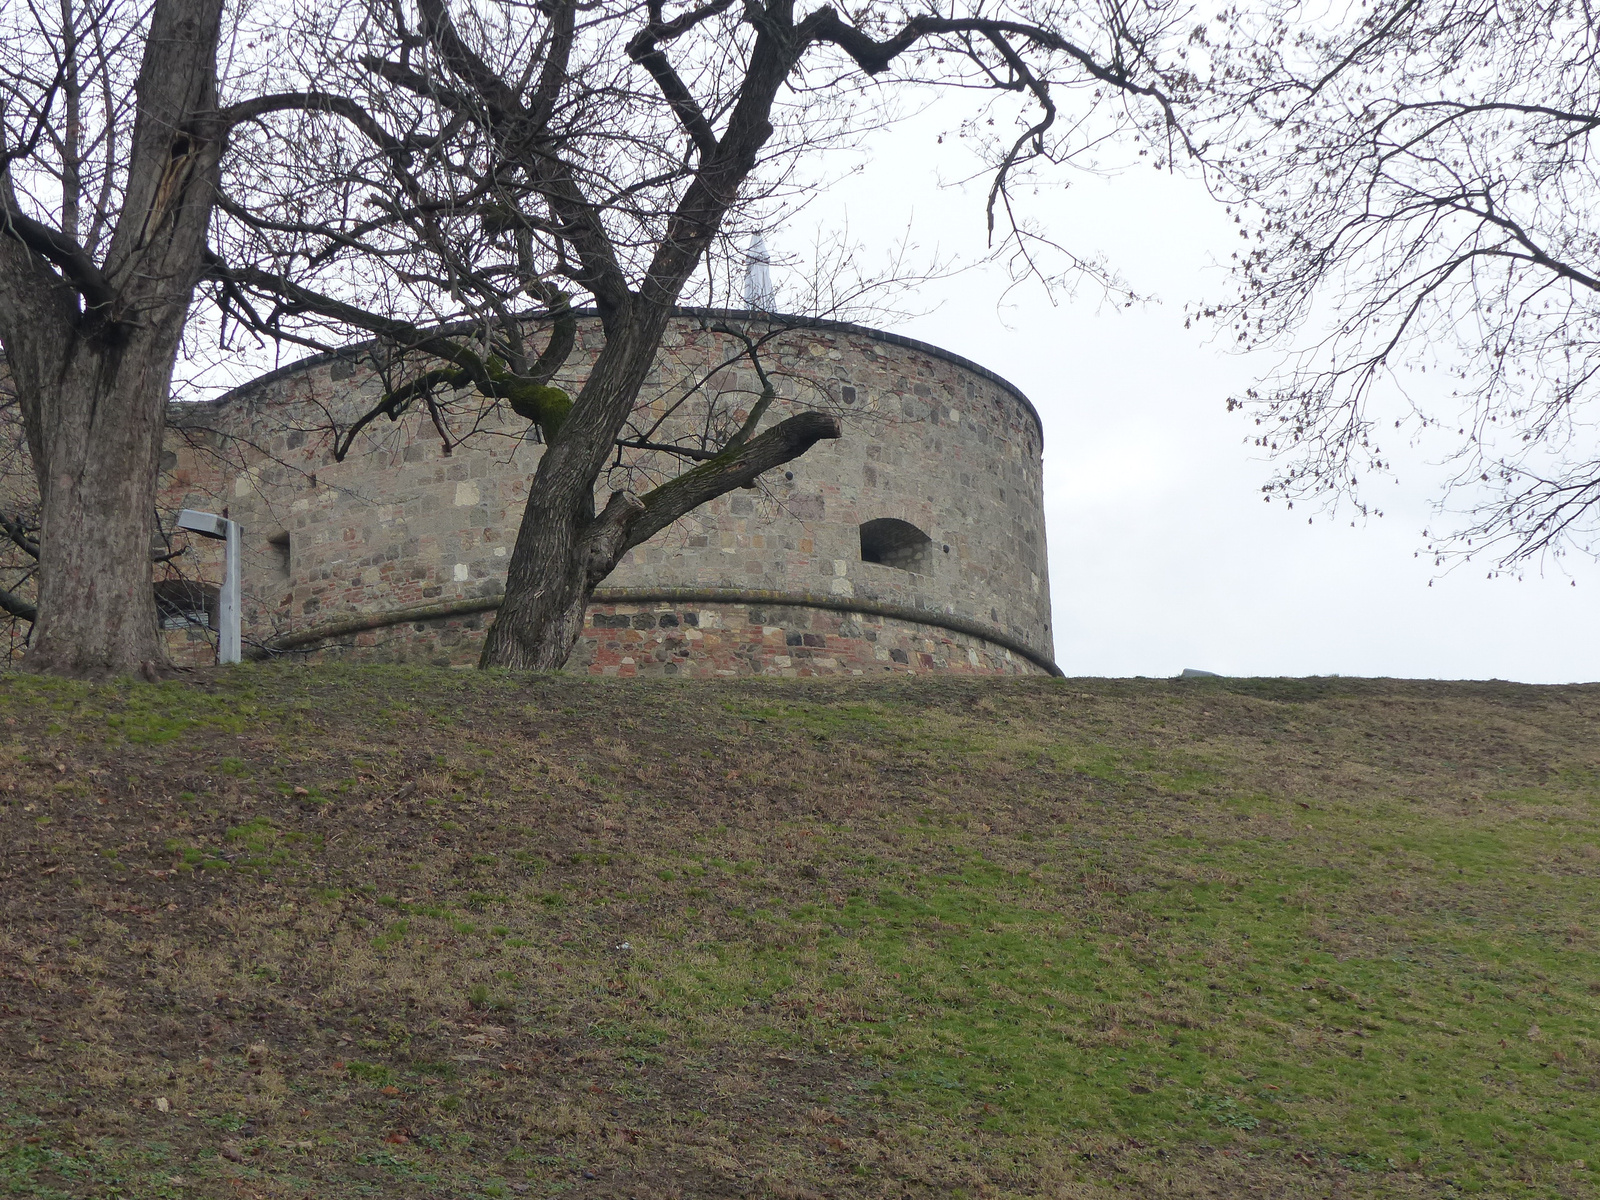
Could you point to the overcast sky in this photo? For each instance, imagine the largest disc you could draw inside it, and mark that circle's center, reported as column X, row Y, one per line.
column 1163, row 554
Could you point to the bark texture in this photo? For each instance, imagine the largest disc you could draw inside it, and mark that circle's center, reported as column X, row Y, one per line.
column 91, row 346
column 547, row 586
column 97, row 481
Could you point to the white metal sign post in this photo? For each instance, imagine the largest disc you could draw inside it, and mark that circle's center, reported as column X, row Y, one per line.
column 212, row 526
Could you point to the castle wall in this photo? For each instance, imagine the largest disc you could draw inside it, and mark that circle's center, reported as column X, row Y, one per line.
column 402, row 527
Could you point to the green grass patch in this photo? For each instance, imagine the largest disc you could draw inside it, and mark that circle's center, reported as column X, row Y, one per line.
column 952, row 937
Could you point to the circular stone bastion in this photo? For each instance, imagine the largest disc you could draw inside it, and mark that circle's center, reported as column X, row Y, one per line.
column 913, row 543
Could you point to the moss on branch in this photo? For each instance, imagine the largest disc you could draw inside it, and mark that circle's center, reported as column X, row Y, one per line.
column 532, row 396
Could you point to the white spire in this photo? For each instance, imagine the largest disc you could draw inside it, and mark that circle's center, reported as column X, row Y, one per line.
column 758, row 292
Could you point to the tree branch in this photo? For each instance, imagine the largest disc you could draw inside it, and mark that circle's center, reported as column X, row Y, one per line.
column 735, row 468
column 645, row 49
column 66, row 255
column 18, row 607
column 17, row 533
column 324, row 102
column 667, row 448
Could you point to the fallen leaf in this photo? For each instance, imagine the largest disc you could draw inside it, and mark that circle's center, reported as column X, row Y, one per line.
column 162, row 1105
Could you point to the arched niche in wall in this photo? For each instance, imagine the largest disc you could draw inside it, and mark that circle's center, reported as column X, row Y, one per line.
column 280, row 557
column 891, row 542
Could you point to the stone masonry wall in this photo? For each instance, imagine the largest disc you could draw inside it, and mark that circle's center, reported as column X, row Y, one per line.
column 401, row 523
column 705, row 640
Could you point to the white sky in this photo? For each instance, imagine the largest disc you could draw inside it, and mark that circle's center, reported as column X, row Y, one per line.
column 1162, row 553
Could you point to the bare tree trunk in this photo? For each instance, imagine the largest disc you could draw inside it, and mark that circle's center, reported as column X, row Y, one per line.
column 91, row 346
column 100, row 442
column 547, row 588
column 564, row 551
column 542, row 615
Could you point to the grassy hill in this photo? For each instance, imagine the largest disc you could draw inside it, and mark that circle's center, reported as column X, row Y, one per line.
column 332, row 933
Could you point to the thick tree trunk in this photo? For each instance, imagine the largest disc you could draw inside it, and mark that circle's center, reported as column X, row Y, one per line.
column 91, row 347
column 539, row 620
column 547, row 587
column 99, row 451
column 555, row 571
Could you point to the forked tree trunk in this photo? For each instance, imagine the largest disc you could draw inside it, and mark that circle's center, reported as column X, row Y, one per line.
column 91, row 346
column 549, row 580
column 564, row 549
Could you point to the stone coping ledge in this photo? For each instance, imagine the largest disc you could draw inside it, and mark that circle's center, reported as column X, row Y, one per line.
column 362, row 622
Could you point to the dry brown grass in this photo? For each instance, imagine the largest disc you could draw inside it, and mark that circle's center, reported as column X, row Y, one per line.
column 285, row 933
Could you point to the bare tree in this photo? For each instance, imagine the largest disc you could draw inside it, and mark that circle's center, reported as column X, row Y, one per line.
column 455, row 180
column 1421, row 197
column 108, row 166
